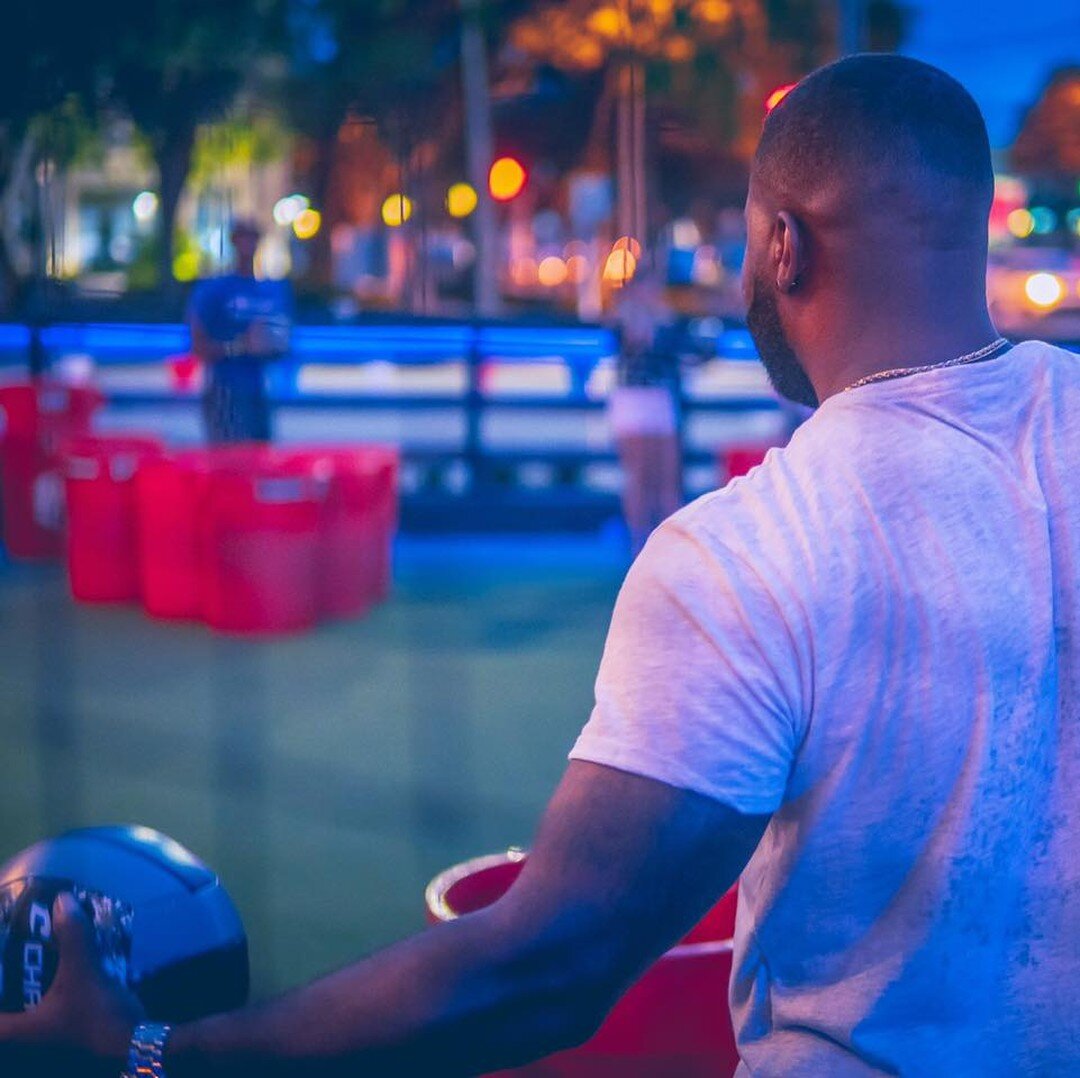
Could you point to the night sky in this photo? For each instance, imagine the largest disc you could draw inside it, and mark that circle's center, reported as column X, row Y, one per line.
column 1001, row 50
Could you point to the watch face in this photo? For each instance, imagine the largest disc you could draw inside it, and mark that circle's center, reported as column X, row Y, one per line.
column 28, row 952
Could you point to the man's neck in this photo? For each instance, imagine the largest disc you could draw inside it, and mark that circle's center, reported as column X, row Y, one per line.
column 876, row 345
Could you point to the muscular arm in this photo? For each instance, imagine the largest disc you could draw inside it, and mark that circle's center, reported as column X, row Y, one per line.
column 622, row 867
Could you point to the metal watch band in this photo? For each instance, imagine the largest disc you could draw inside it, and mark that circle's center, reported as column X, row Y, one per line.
column 147, row 1051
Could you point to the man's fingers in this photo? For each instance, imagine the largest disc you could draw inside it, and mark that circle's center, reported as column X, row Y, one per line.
column 74, row 933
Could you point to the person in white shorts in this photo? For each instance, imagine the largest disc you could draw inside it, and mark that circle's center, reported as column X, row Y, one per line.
column 642, row 408
column 851, row 676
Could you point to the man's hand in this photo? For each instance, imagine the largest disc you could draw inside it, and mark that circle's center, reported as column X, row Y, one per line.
column 84, row 1023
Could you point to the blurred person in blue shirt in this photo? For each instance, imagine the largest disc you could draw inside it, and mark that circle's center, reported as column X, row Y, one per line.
column 239, row 325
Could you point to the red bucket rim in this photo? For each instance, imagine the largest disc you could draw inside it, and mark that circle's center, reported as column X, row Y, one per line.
column 435, row 896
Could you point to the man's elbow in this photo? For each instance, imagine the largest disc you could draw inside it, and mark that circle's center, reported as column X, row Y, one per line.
column 571, row 997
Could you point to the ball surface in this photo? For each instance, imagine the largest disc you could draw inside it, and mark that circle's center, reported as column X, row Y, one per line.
column 166, row 924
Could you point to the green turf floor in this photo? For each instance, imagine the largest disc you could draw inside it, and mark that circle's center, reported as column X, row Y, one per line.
column 326, row 777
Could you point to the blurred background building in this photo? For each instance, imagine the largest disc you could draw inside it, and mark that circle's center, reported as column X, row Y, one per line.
column 445, row 157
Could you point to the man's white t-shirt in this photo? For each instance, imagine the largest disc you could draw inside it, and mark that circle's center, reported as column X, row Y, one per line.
column 874, row 637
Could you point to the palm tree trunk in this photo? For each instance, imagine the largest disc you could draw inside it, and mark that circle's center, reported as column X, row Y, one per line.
column 172, row 153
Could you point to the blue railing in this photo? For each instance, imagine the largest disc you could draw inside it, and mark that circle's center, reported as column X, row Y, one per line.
column 115, row 342
column 454, row 420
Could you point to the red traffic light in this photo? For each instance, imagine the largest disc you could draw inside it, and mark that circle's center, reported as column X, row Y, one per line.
column 506, row 179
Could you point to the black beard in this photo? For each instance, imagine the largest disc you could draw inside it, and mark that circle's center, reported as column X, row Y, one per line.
column 781, row 364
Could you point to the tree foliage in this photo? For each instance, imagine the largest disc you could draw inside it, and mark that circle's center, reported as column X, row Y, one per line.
column 1049, row 140
column 172, row 65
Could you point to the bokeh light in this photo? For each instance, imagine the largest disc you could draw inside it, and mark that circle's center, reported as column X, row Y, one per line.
column 144, row 205
column 307, row 224
column 1020, row 223
column 628, row 243
column 185, row 266
column 620, row 267
column 1043, row 219
column 685, row 234
column 551, row 272
column 506, row 179
column 396, row 210
column 1044, row 290
column 608, row 21
column 287, row 209
column 461, row 200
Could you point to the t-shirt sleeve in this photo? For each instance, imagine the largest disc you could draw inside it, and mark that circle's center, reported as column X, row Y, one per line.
column 699, row 684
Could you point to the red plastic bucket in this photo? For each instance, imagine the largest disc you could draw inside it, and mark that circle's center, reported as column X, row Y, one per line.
column 35, row 418
column 169, row 493
column 357, row 527
column 260, row 541
column 33, row 500
column 103, row 551
column 673, row 1021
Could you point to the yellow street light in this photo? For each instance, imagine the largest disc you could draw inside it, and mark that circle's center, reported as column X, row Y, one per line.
column 396, row 210
column 461, row 200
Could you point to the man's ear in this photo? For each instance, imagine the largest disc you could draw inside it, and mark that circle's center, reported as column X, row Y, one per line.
column 789, row 253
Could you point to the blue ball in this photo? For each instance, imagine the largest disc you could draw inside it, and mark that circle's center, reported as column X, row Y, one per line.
column 170, row 929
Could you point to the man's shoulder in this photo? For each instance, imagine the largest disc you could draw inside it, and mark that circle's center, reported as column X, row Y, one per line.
column 734, row 520
column 784, row 505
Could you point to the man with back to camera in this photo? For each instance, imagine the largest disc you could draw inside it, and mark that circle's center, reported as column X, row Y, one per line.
column 239, row 324
column 851, row 676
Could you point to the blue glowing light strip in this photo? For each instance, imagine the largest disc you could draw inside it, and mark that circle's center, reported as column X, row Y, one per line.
column 14, row 337
column 401, row 343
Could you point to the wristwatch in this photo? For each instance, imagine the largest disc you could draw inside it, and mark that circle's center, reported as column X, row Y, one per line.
column 146, row 1052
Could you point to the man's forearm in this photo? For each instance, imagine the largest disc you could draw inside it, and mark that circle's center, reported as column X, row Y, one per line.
column 458, row 997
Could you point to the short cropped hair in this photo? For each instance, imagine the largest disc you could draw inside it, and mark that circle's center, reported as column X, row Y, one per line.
column 873, row 127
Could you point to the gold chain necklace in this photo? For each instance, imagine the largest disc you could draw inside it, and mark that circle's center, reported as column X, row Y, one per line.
column 986, row 352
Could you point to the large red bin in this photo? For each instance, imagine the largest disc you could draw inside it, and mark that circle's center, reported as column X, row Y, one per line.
column 260, row 544
column 103, row 554
column 35, row 420
column 357, row 527
column 170, row 492
column 673, row 1021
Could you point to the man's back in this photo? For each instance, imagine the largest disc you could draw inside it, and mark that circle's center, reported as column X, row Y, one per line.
column 918, row 893
column 902, row 686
